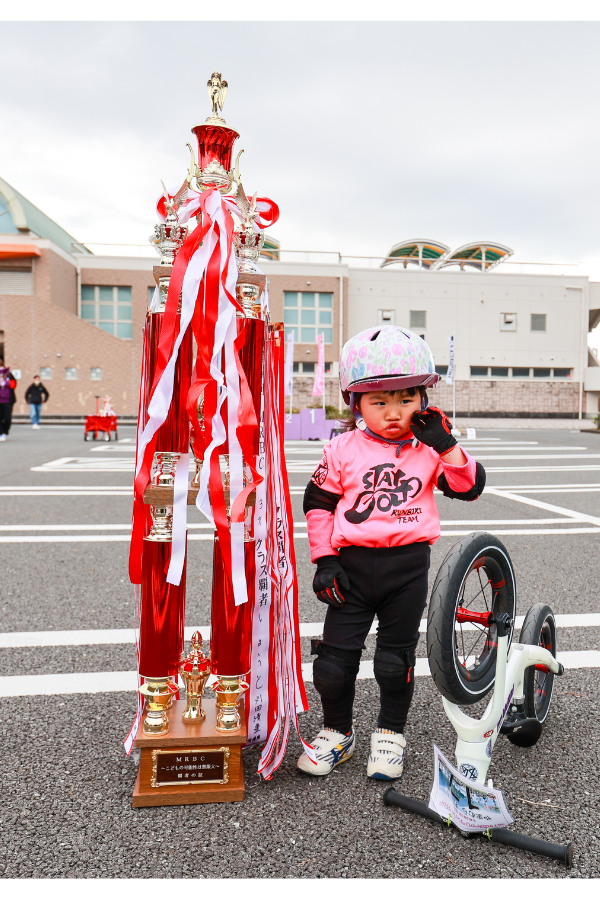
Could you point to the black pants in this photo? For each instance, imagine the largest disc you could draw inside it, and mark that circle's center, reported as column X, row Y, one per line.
column 5, row 417
column 390, row 583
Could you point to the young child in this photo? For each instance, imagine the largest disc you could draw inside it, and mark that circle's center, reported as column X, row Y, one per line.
column 371, row 518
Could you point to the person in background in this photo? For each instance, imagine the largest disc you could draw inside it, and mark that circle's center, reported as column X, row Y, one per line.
column 35, row 395
column 8, row 399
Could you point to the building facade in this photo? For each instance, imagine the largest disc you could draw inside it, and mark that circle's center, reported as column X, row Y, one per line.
column 76, row 318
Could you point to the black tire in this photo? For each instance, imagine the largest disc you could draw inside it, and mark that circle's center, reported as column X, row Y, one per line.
column 539, row 629
column 477, row 574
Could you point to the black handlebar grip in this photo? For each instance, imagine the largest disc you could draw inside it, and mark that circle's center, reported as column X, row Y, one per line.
column 391, row 798
column 562, row 852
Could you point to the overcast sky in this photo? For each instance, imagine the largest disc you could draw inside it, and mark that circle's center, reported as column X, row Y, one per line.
column 364, row 133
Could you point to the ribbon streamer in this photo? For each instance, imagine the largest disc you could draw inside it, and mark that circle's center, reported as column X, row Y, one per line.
column 179, row 531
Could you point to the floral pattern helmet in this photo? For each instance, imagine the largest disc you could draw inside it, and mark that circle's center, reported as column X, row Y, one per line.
column 388, row 358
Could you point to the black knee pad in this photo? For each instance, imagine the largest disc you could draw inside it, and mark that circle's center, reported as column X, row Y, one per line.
column 394, row 670
column 334, row 671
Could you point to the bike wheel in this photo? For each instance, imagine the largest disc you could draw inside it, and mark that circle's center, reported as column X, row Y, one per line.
column 539, row 629
column 475, row 582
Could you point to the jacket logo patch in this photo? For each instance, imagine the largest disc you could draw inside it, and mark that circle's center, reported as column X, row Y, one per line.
column 320, row 474
column 383, row 488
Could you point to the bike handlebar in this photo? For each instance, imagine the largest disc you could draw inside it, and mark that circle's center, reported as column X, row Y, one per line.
column 562, row 852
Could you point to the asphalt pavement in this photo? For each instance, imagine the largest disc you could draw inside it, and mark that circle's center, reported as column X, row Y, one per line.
column 67, row 783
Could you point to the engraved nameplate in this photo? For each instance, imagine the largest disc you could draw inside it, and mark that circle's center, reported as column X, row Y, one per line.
column 197, row 766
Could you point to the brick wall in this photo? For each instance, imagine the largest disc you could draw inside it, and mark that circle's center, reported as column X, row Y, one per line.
column 302, row 396
column 37, row 333
column 487, row 397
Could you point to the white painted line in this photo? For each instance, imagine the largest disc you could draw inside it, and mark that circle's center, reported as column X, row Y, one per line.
column 297, row 524
column 545, row 456
column 96, row 538
column 549, row 507
column 512, row 469
column 543, row 487
column 307, row 629
column 581, row 490
column 65, row 493
column 299, row 535
column 521, row 531
column 126, row 527
column 78, row 683
column 476, row 450
column 113, row 449
column 111, row 682
column 65, row 487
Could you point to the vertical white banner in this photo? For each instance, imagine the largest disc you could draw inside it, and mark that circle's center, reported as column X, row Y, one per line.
column 289, row 364
column 319, row 385
column 258, row 695
column 450, row 375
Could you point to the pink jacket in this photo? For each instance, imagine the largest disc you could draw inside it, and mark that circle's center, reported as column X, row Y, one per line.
column 379, row 499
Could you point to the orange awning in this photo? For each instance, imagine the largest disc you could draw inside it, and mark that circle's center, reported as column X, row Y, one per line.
column 18, row 251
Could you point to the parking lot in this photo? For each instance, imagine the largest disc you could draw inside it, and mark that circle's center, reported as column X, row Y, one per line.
column 67, row 682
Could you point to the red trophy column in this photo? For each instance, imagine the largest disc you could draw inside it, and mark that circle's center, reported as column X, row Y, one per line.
column 162, row 613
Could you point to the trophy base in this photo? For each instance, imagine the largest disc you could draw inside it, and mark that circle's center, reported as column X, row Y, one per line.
column 192, row 763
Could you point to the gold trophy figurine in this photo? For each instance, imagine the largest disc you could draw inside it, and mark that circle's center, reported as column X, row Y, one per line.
column 194, row 669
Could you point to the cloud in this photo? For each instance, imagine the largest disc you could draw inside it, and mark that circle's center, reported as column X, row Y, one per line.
column 364, row 133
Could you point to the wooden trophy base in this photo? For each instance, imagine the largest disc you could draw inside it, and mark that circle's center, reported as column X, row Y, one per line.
column 191, row 763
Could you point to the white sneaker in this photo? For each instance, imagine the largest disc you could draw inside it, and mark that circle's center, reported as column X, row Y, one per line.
column 2, row 437
column 331, row 749
column 386, row 759
column 37, row 427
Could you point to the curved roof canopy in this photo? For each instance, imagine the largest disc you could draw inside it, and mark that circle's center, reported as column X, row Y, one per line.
column 271, row 248
column 19, row 216
column 482, row 255
column 421, row 253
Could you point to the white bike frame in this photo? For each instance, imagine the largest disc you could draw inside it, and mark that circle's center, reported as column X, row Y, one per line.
column 476, row 737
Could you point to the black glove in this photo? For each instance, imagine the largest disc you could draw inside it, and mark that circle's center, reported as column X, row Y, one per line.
column 328, row 578
column 433, row 427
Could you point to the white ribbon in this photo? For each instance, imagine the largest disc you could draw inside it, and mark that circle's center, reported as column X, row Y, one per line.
column 180, row 498
column 158, row 407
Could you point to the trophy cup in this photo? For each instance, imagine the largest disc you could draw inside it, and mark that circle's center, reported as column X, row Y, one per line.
column 191, row 751
column 194, row 669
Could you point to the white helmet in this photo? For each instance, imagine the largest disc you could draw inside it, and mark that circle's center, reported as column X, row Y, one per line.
column 388, row 358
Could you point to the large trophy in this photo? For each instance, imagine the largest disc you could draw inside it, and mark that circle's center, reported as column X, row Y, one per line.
column 227, row 406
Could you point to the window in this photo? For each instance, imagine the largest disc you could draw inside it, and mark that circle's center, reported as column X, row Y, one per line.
column 306, row 368
column 499, row 371
column 328, row 368
column 541, row 373
column 46, row 372
column 95, row 374
column 441, row 370
column 520, row 372
column 109, row 308
column 508, row 321
column 562, row 373
column 308, row 314
column 478, row 371
column 387, row 317
column 71, row 373
column 16, row 281
column 418, row 318
column 538, row 321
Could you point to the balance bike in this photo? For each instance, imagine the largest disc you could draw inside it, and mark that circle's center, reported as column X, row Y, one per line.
column 469, row 633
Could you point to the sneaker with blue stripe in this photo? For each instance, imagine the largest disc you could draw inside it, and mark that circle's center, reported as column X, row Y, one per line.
column 331, row 748
column 386, row 759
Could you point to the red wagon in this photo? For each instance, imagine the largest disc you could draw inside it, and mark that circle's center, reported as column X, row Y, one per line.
column 103, row 424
